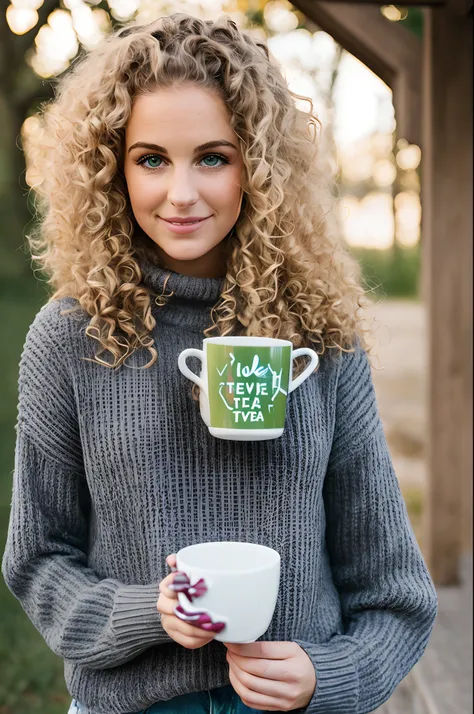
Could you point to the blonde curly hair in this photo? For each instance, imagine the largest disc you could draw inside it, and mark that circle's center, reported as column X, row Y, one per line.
column 288, row 273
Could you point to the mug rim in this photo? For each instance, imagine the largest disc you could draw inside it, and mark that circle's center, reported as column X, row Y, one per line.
column 248, row 340
column 275, row 560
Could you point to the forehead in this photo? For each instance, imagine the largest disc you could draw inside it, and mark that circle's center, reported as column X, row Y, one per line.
column 179, row 114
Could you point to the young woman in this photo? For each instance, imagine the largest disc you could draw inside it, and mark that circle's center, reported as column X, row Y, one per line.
column 185, row 195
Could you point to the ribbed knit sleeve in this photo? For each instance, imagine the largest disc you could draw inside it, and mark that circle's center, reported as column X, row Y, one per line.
column 99, row 623
column 388, row 599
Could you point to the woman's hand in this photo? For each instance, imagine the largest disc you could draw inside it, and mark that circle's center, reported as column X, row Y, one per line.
column 184, row 633
column 273, row 676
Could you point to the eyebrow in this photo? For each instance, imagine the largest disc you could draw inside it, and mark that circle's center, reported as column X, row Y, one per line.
column 202, row 147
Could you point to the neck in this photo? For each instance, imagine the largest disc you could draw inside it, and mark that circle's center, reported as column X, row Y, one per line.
column 211, row 265
column 188, row 299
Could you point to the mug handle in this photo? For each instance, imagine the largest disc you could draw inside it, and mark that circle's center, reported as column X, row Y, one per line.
column 308, row 370
column 191, row 352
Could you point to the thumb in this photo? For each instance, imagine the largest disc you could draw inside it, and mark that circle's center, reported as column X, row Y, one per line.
column 171, row 561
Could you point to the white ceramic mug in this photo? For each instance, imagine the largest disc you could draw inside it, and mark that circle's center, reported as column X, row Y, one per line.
column 242, row 581
column 244, row 384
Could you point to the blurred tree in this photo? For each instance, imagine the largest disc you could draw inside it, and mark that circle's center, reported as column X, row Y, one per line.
column 21, row 93
column 414, row 21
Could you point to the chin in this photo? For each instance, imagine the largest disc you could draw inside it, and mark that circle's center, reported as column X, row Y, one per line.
column 185, row 255
column 186, row 252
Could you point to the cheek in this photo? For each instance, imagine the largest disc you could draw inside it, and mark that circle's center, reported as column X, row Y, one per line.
column 144, row 192
column 225, row 195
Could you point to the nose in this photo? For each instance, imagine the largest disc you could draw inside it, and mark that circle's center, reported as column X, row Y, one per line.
column 182, row 191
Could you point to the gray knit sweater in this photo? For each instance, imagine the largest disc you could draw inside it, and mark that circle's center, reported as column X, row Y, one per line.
column 115, row 469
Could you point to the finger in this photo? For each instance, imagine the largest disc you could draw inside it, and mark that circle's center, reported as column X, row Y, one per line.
column 262, row 685
column 199, row 618
column 171, row 560
column 266, row 650
column 179, row 582
column 177, row 628
column 191, row 643
column 167, row 607
column 193, row 640
column 279, row 670
column 254, row 699
column 182, row 582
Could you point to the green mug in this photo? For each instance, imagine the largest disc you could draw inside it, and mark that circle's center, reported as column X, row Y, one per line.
column 244, row 384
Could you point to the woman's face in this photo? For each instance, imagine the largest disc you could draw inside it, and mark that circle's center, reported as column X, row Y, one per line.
column 171, row 174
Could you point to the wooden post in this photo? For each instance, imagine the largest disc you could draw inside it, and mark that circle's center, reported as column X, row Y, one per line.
column 447, row 195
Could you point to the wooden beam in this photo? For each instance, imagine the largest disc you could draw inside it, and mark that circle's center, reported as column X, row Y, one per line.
column 407, row 103
column 405, row 3
column 462, row 7
column 388, row 49
column 447, row 240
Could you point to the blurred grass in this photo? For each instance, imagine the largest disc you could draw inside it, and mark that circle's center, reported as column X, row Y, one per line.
column 414, row 497
column 31, row 675
column 394, row 272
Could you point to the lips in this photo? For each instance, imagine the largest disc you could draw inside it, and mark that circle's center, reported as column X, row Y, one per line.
column 184, row 226
column 183, row 221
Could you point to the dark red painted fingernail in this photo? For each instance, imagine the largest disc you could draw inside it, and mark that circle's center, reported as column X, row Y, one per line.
column 197, row 589
column 203, row 619
column 180, row 582
column 213, row 626
column 190, row 617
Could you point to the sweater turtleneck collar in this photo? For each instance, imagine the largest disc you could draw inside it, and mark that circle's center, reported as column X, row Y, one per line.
column 188, row 299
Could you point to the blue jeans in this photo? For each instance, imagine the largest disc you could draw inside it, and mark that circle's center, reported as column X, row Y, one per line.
column 223, row 700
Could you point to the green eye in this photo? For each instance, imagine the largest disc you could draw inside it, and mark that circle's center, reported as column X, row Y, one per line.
column 153, row 161
column 217, row 161
column 151, row 158
column 213, row 158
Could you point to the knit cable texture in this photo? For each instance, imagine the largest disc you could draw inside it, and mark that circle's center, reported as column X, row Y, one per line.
column 115, row 469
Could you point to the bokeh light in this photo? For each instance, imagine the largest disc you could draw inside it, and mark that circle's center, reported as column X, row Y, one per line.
column 368, row 222
column 353, row 104
column 394, row 13
column 407, row 218
column 21, row 19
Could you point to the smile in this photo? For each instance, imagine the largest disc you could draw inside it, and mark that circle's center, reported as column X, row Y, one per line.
column 188, row 227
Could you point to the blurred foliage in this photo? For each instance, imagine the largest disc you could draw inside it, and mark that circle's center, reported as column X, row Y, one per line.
column 255, row 17
column 394, row 273
column 414, row 500
column 414, row 21
column 31, row 675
